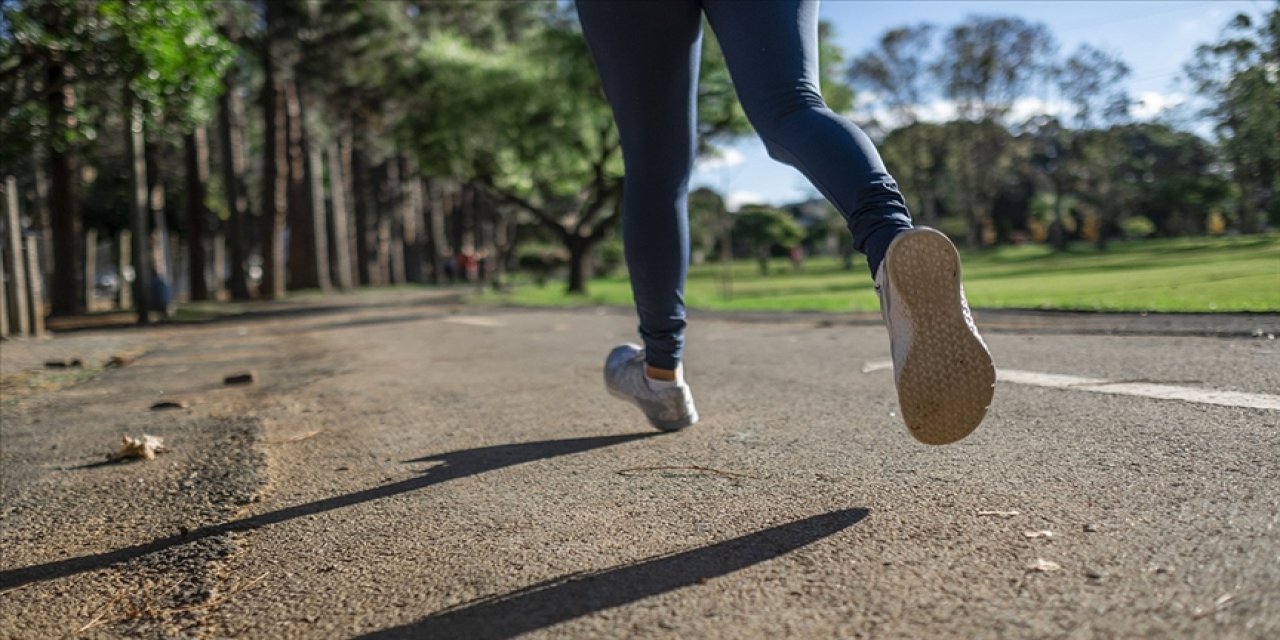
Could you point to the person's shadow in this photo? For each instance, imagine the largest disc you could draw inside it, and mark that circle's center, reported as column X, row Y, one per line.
column 554, row 601
column 455, row 465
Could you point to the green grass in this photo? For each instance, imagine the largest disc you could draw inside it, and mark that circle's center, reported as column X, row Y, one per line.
column 1182, row 275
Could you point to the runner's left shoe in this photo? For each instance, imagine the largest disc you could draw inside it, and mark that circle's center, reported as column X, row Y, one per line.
column 941, row 366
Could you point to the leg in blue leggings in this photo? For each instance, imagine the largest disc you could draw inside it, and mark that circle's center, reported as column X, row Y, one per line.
column 647, row 56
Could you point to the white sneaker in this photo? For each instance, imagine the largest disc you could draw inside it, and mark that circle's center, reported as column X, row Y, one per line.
column 668, row 409
column 942, row 368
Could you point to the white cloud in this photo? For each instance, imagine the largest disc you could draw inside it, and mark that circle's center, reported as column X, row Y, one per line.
column 736, row 199
column 1151, row 104
column 726, row 158
column 1024, row 108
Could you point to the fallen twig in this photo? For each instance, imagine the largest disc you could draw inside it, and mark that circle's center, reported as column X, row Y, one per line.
column 635, row 471
column 296, row 438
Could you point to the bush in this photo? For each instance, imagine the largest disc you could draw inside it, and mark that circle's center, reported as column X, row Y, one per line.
column 609, row 257
column 540, row 261
column 1137, row 227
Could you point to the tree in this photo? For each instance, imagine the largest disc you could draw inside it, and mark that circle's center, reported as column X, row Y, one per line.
column 765, row 228
column 1239, row 77
column 169, row 59
column 987, row 64
column 894, row 73
column 39, row 64
column 709, row 223
column 1090, row 81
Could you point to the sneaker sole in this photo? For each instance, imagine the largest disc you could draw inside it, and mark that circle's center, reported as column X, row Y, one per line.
column 947, row 379
column 660, row 425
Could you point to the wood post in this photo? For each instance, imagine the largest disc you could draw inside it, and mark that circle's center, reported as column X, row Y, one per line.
column 4, row 297
column 90, row 267
column 17, row 289
column 35, row 287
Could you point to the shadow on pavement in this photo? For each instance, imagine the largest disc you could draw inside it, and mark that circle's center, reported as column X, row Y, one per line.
column 455, row 465
column 554, row 601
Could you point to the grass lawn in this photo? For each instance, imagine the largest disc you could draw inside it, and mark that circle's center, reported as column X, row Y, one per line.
column 1185, row 274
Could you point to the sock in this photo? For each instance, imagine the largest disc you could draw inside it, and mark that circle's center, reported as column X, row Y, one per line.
column 658, row 385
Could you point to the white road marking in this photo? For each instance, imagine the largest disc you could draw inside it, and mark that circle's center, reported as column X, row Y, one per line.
column 1142, row 389
column 475, row 321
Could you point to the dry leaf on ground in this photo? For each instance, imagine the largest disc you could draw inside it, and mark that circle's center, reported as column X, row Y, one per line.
column 145, row 447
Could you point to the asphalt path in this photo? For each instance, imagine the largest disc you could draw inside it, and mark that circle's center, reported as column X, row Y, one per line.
column 405, row 466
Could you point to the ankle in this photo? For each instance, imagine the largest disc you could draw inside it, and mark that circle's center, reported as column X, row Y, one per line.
column 654, row 373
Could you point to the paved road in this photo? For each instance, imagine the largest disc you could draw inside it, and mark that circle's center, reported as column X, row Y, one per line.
column 405, row 467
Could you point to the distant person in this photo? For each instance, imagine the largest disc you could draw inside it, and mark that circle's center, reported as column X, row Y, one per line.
column 797, row 258
column 647, row 53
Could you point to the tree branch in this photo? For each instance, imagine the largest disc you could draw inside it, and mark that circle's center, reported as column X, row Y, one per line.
column 541, row 214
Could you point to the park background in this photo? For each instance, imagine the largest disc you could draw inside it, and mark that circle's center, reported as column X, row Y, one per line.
column 239, row 150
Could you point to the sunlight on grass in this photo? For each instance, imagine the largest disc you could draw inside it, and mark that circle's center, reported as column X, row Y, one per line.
column 1187, row 274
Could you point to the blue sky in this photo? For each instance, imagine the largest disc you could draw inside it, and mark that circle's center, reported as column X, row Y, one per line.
column 1153, row 37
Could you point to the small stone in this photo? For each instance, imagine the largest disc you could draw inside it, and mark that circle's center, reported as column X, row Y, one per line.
column 169, row 404
column 117, row 361
column 239, row 378
column 1093, row 575
column 999, row 513
column 1091, row 528
column 1044, row 566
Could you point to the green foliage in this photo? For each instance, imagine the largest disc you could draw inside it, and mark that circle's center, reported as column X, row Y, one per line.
column 475, row 102
column 1240, row 77
column 609, row 257
column 765, row 228
column 708, row 220
column 170, row 55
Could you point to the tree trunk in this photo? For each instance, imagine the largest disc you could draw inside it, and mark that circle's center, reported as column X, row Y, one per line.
column 1057, row 229
column 124, row 262
column 135, row 154
column 275, row 183
column 63, row 203
column 302, row 233
column 435, row 229
column 343, row 270
column 1248, row 212
column 40, row 213
column 196, row 146
column 579, row 264
column 161, row 260
column 365, row 234
column 231, row 148
column 411, row 186
column 319, row 221
column 391, row 226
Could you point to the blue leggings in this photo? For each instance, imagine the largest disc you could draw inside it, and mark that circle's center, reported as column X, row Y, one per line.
column 647, row 53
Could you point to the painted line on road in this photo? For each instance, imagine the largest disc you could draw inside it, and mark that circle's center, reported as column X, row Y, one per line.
column 1142, row 389
column 475, row 321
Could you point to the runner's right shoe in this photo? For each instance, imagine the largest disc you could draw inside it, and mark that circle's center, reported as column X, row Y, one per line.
column 668, row 409
column 942, row 368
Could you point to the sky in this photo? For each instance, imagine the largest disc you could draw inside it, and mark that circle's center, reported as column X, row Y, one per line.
column 1155, row 38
